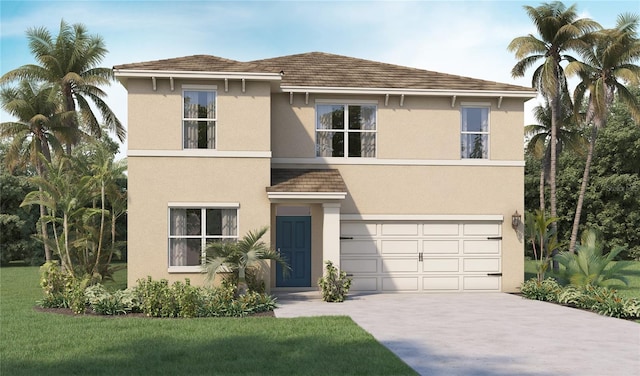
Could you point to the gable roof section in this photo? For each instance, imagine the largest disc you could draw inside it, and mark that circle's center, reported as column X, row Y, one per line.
column 323, row 72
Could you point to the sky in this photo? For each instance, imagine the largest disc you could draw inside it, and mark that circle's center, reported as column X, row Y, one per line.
column 466, row 38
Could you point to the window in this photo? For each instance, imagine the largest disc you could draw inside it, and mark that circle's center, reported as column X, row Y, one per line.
column 191, row 229
column 346, row 130
column 199, row 119
column 475, row 132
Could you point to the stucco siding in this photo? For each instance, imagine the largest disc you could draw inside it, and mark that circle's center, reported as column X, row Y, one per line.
column 423, row 128
column 160, row 181
column 155, row 117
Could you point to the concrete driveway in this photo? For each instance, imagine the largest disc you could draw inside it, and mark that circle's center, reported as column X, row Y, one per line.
column 486, row 334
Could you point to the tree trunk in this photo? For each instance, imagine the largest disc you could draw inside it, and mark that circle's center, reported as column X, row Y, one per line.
column 542, row 203
column 555, row 114
column 583, row 189
column 101, row 232
column 43, row 232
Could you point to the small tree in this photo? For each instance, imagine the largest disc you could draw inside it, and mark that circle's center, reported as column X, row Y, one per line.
column 543, row 240
column 239, row 256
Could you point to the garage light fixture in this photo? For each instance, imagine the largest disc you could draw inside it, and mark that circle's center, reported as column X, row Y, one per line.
column 515, row 220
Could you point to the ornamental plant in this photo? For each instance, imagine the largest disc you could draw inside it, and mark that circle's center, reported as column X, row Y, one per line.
column 334, row 284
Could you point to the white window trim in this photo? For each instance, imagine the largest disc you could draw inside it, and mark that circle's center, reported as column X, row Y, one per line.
column 203, row 88
column 202, row 206
column 486, row 105
column 346, row 131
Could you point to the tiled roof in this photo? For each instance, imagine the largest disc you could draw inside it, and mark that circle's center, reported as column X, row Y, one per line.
column 319, row 69
column 306, row 180
column 195, row 63
column 329, row 70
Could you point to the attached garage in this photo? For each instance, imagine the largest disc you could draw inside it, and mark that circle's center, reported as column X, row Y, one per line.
column 422, row 255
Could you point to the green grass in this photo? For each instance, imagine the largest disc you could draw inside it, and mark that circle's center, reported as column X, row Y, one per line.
column 631, row 291
column 33, row 342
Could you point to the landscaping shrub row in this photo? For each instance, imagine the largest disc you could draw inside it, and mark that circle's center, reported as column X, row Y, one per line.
column 153, row 298
column 602, row 300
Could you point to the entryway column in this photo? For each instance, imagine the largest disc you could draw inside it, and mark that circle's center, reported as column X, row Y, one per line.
column 331, row 234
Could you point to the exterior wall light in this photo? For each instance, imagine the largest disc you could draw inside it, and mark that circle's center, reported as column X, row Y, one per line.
column 515, row 220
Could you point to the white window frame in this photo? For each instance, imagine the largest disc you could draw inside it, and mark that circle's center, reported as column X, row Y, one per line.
column 346, row 130
column 482, row 105
column 203, row 232
column 200, row 88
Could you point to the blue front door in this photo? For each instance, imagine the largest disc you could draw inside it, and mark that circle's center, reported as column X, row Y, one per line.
column 293, row 240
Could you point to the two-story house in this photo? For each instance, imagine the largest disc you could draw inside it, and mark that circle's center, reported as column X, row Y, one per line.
column 407, row 179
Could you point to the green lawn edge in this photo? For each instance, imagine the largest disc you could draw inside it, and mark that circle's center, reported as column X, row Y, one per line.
column 33, row 342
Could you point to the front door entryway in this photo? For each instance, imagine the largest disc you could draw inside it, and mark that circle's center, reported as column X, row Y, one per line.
column 293, row 240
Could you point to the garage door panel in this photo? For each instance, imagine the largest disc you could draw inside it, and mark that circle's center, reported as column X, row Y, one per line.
column 358, row 229
column 441, row 229
column 364, row 284
column 488, row 265
column 441, row 283
column 481, row 247
column 394, row 229
column 481, row 229
column 399, row 266
column 358, row 247
column 422, row 256
column 360, row 265
column 470, row 283
column 441, row 265
column 399, row 246
column 441, row 246
column 405, row 284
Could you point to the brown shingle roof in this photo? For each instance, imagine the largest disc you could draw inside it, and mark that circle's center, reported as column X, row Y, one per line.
column 319, row 69
column 306, row 180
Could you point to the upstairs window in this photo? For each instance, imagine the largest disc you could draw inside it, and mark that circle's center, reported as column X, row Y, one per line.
column 346, row 130
column 192, row 229
column 475, row 132
column 199, row 119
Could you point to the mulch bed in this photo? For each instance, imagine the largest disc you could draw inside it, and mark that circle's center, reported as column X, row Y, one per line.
column 90, row 312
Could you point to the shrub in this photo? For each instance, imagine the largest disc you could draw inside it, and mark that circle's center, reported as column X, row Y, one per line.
column 334, row 285
column 158, row 299
column 105, row 303
column 547, row 290
column 589, row 266
column 601, row 300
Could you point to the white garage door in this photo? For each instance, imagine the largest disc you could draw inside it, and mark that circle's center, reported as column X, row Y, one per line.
column 421, row 256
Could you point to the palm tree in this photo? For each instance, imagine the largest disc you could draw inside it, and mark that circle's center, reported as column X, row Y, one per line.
column 539, row 146
column 607, row 64
column 239, row 256
column 589, row 266
column 64, row 193
column 560, row 31
column 71, row 62
column 104, row 172
column 34, row 133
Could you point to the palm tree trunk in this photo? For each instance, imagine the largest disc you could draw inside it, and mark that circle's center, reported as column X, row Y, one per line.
column 542, row 203
column 583, row 189
column 552, row 168
column 44, row 233
column 101, row 234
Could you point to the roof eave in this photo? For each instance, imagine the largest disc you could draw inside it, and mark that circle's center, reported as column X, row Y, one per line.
column 416, row 92
column 142, row 73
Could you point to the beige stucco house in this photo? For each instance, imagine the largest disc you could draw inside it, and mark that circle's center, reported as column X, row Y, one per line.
column 406, row 179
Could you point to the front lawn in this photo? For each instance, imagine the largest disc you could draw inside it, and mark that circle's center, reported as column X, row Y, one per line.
column 33, row 342
column 631, row 291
